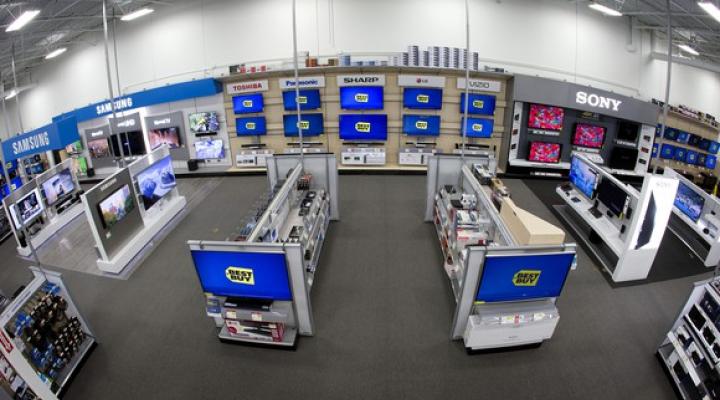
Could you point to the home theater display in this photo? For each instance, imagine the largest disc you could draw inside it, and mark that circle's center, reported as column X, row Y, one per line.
column 116, row 207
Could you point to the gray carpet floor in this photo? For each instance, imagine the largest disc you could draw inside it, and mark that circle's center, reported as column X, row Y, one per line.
column 382, row 307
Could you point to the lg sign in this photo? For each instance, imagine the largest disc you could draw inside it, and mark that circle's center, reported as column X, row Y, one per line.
column 596, row 101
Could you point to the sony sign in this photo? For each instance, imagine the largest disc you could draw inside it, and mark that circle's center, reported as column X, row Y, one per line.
column 31, row 143
column 361, row 80
column 596, row 101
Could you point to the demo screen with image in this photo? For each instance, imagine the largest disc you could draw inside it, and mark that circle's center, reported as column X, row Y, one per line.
column 689, row 202
column 27, row 208
column 422, row 98
column 156, row 181
column 99, row 148
column 209, row 149
column 363, row 127
column 168, row 136
column 361, row 98
column 545, row 152
column 116, row 207
column 546, row 117
column 204, row 123
column 583, row 177
column 591, row 136
column 309, row 99
column 59, row 186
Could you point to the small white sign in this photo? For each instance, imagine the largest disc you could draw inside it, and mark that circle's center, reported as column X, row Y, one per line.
column 303, row 82
column 247, row 87
column 421, row 81
column 361, row 80
column 482, row 85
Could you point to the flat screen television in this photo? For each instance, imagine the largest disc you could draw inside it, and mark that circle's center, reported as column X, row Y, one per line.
column 546, row 117
column 27, row 208
column 309, row 99
column 421, row 125
column 248, row 103
column 156, row 182
column 694, row 140
column 691, row 157
column 655, row 150
column 58, row 187
column 250, row 126
column 627, row 131
column 710, row 161
column 713, row 147
column 523, row 277
column 689, row 202
column 544, row 152
column 679, row 154
column 623, row 158
column 361, row 98
column 246, row 275
column 312, row 125
column 99, row 148
column 422, row 98
column 702, row 158
column 204, row 123
column 133, row 144
column 583, row 177
column 704, row 144
column 671, row 133
column 115, row 207
column 209, row 149
column 79, row 165
column 667, row 151
column 478, row 127
column 683, row 137
column 587, row 135
column 74, row 148
column 612, row 196
column 169, row 136
column 480, row 104
column 363, row 127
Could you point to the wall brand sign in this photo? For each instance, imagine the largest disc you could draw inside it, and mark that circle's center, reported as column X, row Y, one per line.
column 361, row 80
column 120, row 104
column 247, row 87
column 421, row 81
column 303, row 82
column 31, row 143
column 594, row 100
column 49, row 137
column 482, row 85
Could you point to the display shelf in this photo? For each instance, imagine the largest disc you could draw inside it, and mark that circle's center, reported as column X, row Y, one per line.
column 677, row 165
column 288, row 339
column 685, row 390
column 696, row 121
column 526, row 163
column 66, row 375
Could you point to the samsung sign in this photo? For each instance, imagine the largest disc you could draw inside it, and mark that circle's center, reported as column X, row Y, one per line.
column 594, row 100
column 303, row 82
column 50, row 137
column 361, row 80
column 29, row 144
column 120, row 104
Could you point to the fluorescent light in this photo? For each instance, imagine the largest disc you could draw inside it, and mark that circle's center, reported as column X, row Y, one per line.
column 688, row 49
column 55, row 53
column 11, row 95
column 22, row 20
column 710, row 8
column 605, row 10
column 137, row 14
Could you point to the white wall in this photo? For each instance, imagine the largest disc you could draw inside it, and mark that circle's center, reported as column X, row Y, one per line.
column 190, row 39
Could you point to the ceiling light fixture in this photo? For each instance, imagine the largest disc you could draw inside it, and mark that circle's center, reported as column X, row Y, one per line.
column 710, row 8
column 605, row 10
column 688, row 49
column 137, row 14
column 55, row 53
column 22, row 20
column 11, row 95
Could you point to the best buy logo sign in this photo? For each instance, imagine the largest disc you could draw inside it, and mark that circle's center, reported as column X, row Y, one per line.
column 304, row 124
column 363, row 127
column 243, row 276
column 477, row 127
column 423, row 125
column 247, row 103
column 478, row 103
column 302, row 100
column 250, row 126
column 362, row 97
column 423, row 98
column 526, row 277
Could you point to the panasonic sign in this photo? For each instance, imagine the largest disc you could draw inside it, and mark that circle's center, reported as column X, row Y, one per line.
column 303, row 82
column 596, row 101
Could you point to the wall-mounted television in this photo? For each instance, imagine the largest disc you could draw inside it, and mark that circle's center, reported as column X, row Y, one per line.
column 312, row 125
column 623, row 158
column 691, row 157
column 79, row 165
column 587, row 135
column 612, row 196
column 58, row 187
column 363, row 127
column 689, row 202
column 27, row 208
column 679, row 154
column 133, row 143
column 115, row 207
column 74, row 148
column 99, row 148
column 421, row 125
column 710, row 161
column 248, row 103
column 361, row 98
column 169, row 136
column 583, row 177
column 671, row 133
column 546, row 117
column 250, row 126
column 422, row 98
column 543, row 152
column 704, row 144
column 627, row 131
column 478, row 127
column 480, row 104
column 713, row 147
column 156, row 182
column 694, row 140
column 209, row 149
column 309, row 99
column 702, row 158
column 667, row 151
column 204, row 123
column 655, row 149
column 683, row 137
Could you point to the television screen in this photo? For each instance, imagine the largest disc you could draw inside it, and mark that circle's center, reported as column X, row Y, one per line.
column 714, row 147
column 478, row 127
column 627, row 131
column 133, row 143
column 250, row 126
column 587, row 135
column 204, row 122
column 79, row 165
column 421, row 125
column 689, row 202
column 361, row 97
column 683, row 137
column 546, row 117
column 545, row 152
column 27, row 208
column 168, row 136
column 248, row 103
column 312, row 125
column 209, row 149
column 523, row 277
column 156, row 181
column 710, row 161
column 667, row 151
column 583, row 177
column 679, row 154
column 363, row 127
column 623, row 158
column 116, row 207
column 59, row 186
column 74, row 148
column 309, row 99
column 671, row 133
column 694, row 140
column 249, row 275
column 691, row 157
column 702, row 158
column 99, row 148
column 481, row 104
column 422, row 98
column 704, row 144
column 655, row 150
column 611, row 196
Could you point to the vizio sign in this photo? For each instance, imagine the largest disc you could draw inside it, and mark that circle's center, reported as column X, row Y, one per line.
column 597, row 101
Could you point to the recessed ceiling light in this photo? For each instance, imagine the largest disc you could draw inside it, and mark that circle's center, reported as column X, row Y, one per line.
column 137, row 14
column 688, row 49
column 605, row 10
column 11, row 95
column 710, row 8
column 55, row 53
column 22, row 20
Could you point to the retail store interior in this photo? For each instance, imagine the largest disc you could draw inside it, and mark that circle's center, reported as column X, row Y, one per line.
column 413, row 199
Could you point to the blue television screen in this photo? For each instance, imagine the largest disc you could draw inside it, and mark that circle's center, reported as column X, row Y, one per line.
column 671, row 133
column 689, row 202
column 309, row 99
column 479, row 127
column 710, row 161
column 421, row 125
column 312, row 125
column 248, row 103
column 683, row 137
column 250, row 126
column 361, row 97
column 679, row 154
column 655, row 150
column 691, row 157
column 667, row 151
column 704, row 144
column 523, row 277
column 236, row 274
column 583, row 177
column 422, row 98
column 714, row 147
column 481, row 104
column 701, row 159
column 363, row 127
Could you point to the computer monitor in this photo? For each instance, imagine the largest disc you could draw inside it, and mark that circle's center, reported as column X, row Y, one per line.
column 612, row 196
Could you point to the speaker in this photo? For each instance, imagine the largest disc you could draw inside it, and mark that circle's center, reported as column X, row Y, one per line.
column 90, row 172
column 192, row 165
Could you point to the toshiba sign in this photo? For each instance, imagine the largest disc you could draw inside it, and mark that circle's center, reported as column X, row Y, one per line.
column 247, row 87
